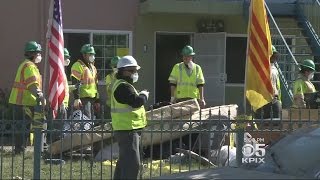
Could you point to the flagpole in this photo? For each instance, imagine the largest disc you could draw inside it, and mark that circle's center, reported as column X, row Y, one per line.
column 246, row 65
column 39, row 136
column 241, row 129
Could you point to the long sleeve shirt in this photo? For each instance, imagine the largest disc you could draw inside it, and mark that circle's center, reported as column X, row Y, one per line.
column 125, row 94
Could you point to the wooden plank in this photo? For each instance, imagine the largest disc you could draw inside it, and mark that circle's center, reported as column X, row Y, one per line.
column 184, row 108
column 180, row 127
column 76, row 140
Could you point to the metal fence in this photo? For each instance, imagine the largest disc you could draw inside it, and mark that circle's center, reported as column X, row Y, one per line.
column 168, row 145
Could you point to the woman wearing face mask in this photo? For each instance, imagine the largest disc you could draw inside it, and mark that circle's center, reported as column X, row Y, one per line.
column 303, row 85
column 186, row 79
column 85, row 73
column 128, row 117
column 26, row 91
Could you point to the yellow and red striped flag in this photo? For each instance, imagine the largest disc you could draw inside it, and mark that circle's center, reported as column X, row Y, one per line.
column 258, row 83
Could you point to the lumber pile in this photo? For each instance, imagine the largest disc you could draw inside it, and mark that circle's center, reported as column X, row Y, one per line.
column 87, row 138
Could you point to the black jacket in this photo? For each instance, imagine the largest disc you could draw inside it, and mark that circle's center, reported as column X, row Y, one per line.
column 125, row 94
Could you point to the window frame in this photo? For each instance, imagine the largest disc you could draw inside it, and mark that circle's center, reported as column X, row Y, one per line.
column 91, row 32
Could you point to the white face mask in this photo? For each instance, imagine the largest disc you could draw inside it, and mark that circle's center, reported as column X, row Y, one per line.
column 91, row 58
column 190, row 64
column 38, row 59
column 66, row 62
column 310, row 76
column 115, row 70
column 135, row 77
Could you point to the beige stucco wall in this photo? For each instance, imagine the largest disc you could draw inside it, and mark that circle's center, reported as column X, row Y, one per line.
column 147, row 25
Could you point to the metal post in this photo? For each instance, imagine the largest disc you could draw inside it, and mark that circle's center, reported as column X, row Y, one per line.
column 240, row 143
column 37, row 153
column 37, row 124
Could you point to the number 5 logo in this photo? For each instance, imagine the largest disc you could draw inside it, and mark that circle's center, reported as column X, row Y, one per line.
column 248, row 150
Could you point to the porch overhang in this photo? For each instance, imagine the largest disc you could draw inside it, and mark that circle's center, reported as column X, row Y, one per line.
column 207, row 7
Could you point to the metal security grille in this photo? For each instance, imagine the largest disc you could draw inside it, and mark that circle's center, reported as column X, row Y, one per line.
column 169, row 144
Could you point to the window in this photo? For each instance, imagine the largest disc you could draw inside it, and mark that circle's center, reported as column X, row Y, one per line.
column 107, row 44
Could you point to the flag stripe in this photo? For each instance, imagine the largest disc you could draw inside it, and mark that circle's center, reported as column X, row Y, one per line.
column 256, row 24
column 261, row 69
column 256, row 46
column 259, row 90
column 264, row 77
column 56, row 56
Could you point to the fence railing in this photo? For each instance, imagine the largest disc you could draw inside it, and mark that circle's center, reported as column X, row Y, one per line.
column 85, row 149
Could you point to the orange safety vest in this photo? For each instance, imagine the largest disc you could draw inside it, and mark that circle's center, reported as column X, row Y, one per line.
column 88, row 78
column 27, row 75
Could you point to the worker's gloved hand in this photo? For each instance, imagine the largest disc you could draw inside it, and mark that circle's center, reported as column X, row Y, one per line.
column 42, row 100
column 77, row 103
column 172, row 99
column 202, row 103
column 145, row 92
column 63, row 108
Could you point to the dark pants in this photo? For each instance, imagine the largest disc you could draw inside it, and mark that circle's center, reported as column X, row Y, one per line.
column 270, row 110
column 22, row 120
column 128, row 163
column 55, row 126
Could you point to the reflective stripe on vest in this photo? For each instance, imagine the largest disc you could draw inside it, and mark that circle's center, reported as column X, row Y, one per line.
column 66, row 96
column 20, row 94
column 124, row 117
column 86, row 78
column 110, row 79
column 88, row 86
column 184, row 88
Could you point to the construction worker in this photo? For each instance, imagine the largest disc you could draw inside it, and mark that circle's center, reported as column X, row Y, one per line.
column 26, row 93
column 128, row 117
column 85, row 73
column 302, row 84
column 273, row 108
column 186, row 79
column 111, row 77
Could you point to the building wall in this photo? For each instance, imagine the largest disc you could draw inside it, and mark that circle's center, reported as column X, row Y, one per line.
column 148, row 25
column 27, row 20
column 31, row 18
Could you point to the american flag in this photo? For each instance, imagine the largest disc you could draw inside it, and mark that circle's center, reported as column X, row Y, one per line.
column 56, row 56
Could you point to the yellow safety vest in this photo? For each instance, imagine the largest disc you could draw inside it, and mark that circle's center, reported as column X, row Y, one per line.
column 279, row 88
column 66, row 96
column 88, row 78
column 125, row 117
column 109, row 82
column 301, row 86
column 186, row 83
column 27, row 75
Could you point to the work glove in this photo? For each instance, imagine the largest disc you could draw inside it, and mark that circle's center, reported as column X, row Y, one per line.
column 202, row 103
column 145, row 92
column 172, row 99
column 77, row 103
column 63, row 107
column 42, row 100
